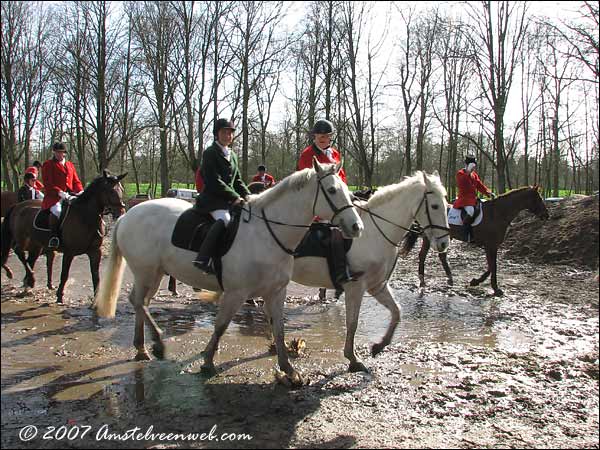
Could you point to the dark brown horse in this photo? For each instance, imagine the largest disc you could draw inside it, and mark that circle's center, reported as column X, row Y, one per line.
column 490, row 233
column 82, row 230
column 8, row 200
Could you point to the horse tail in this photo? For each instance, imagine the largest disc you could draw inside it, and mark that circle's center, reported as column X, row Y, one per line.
column 110, row 284
column 409, row 242
column 6, row 237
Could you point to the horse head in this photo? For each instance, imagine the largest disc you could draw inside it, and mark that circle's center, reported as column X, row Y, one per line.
column 335, row 203
column 431, row 213
column 536, row 205
column 110, row 193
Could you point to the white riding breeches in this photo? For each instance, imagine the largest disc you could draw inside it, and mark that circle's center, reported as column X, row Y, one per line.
column 56, row 209
column 470, row 210
column 222, row 214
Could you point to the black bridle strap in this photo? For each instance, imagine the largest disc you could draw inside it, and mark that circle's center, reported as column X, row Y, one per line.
column 431, row 225
column 283, row 247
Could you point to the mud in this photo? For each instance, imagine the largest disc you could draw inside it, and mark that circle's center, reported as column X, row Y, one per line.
column 465, row 369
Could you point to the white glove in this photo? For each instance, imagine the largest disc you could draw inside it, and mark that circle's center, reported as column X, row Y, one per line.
column 63, row 195
column 492, row 195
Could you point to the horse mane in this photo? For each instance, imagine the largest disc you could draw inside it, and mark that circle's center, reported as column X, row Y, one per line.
column 514, row 192
column 296, row 180
column 90, row 191
column 384, row 194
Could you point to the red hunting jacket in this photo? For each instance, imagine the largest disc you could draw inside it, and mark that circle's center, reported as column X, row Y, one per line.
column 268, row 181
column 468, row 185
column 38, row 184
column 306, row 157
column 59, row 178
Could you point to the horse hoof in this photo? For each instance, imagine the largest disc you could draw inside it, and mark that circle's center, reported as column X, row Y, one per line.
column 59, row 301
column 376, row 349
column 51, row 287
column 474, row 282
column 450, row 282
column 159, row 350
column 357, row 366
column 142, row 356
column 498, row 292
column 208, row 370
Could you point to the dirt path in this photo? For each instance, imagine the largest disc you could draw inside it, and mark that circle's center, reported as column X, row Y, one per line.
column 464, row 369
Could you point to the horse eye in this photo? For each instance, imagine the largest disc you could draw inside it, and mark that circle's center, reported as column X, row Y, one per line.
column 332, row 190
column 435, row 206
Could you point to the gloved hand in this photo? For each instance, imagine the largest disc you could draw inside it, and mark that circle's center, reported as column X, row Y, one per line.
column 492, row 195
column 66, row 196
column 238, row 202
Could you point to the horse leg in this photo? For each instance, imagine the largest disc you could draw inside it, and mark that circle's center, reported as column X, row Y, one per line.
column 228, row 306
column 94, row 257
column 28, row 280
column 422, row 256
column 274, row 304
column 386, row 298
column 64, row 276
column 173, row 286
column 49, row 267
column 322, row 294
column 493, row 266
column 353, row 300
column 444, row 259
column 483, row 277
column 34, row 254
column 136, row 298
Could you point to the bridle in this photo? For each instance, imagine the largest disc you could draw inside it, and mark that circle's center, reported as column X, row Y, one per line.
column 420, row 230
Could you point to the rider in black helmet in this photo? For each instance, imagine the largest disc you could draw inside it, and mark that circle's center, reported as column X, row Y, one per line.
column 223, row 188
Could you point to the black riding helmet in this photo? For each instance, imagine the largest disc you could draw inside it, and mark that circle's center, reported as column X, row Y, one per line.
column 262, row 168
column 322, row 127
column 221, row 124
column 470, row 159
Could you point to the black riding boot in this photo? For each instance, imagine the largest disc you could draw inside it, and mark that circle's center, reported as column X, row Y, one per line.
column 207, row 250
column 467, row 227
column 53, row 223
column 340, row 263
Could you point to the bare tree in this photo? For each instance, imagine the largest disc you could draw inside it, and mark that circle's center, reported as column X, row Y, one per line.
column 497, row 36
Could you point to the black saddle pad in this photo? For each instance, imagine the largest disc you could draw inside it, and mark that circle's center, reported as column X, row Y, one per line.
column 190, row 229
column 317, row 242
column 41, row 220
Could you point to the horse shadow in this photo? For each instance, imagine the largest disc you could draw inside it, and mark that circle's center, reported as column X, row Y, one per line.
column 158, row 397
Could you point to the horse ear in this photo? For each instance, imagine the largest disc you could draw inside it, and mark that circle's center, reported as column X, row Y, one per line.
column 436, row 173
column 317, row 165
column 105, row 173
column 339, row 165
column 120, row 177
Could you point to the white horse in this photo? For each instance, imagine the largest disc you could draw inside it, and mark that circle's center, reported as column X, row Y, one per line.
column 143, row 238
column 387, row 217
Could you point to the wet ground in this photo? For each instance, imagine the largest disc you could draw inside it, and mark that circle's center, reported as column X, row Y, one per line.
column 465, row 369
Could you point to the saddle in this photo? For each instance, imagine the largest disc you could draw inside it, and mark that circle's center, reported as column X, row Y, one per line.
column 191, row 229
column 41, row 223
column 456, row 218
column 318, row 242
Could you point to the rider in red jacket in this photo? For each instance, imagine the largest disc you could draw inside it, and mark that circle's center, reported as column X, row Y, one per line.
column 264, row 177
column 60, row 181
column 322, row 132
column 468, row 184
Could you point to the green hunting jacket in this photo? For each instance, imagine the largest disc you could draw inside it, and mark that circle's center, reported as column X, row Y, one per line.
column 223, row 182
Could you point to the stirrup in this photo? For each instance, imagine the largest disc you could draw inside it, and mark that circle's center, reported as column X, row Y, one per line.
column 205, row 266
column 54, row 242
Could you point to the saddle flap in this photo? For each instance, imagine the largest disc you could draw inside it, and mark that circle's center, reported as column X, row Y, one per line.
column 190, row 229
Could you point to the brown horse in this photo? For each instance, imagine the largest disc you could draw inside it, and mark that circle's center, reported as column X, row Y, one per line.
column 490, row 233
column 8, row 200
column 82, row 230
